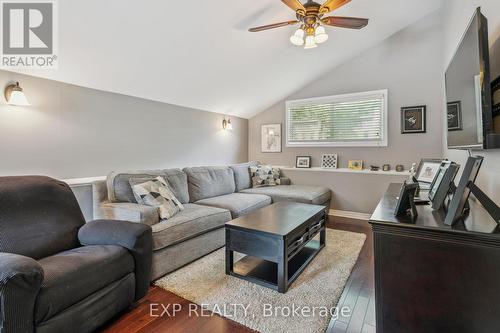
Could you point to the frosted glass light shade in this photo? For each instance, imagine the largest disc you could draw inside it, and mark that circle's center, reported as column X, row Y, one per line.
column 15, row 95
column 310, row 43
column 298, row 38
column 320, row 35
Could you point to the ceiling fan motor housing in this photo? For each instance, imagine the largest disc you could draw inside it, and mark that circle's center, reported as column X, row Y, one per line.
column 311, row 17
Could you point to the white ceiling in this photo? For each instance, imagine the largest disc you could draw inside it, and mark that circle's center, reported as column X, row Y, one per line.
column 199, row 54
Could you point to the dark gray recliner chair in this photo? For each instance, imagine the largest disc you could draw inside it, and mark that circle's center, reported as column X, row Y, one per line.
column 58, row 273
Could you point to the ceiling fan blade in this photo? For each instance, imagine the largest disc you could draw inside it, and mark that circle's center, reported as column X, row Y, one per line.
column 296, row 5
column 272, row 26
column 331, row 5
column 345, row 22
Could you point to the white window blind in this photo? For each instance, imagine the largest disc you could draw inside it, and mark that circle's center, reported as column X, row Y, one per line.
column 345, row 120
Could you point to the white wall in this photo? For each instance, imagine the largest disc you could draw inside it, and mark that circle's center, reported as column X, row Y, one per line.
column 457, row 14
column 71, row 132
column 409, row 65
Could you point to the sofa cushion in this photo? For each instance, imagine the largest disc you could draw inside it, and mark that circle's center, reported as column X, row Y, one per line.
column 242, row 177
column 207, row 182
column 72, row 275
column 316, row 195
column 119, row 189
column 238, row 203
column 194, row 220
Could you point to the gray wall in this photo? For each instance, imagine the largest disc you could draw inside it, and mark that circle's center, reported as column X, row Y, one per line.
column 71, row 132
column 457, row 16
column 409, row 65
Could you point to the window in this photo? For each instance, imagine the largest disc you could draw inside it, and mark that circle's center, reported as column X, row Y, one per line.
column 353, row 120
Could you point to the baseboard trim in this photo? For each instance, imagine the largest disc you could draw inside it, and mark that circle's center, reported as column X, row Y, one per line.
column 351, row 215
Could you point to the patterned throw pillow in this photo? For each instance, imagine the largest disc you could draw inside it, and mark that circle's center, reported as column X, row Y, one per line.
column 156, row 193
column 264, row 175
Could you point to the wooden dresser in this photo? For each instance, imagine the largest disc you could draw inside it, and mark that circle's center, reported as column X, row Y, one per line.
column 430, row 277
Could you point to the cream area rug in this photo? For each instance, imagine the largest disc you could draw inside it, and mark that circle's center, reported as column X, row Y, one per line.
column 306, row 307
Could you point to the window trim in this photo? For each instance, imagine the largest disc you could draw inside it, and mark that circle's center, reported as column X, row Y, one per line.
column 341, row 98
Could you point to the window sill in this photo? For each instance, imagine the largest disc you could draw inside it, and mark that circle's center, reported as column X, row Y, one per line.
column 405, row 173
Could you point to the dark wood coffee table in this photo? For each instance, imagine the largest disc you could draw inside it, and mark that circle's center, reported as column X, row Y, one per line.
column 278, row 243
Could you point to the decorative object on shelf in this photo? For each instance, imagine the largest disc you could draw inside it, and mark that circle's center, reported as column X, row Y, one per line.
column 355, row 165
column 271, row 138
column 400, row 168
column 14, row 95
column 311, row 18
column 303, row 162
column 454, row 115
column 329, row 161
column 427, row 170
column 386, row 167
column 413, row 119
column 226, row 124
column 374, row 168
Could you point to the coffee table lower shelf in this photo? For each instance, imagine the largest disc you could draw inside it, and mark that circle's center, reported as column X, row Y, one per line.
column 265, row 273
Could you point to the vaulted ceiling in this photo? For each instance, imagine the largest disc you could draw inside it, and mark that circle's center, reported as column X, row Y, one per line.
column 199, row 54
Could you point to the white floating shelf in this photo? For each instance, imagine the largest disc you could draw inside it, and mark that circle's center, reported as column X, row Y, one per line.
column 405, row 173
column 83, row 181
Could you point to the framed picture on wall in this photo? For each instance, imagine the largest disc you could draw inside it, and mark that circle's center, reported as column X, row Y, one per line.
column 454, row 116
column 271, row 138
column 413, row 119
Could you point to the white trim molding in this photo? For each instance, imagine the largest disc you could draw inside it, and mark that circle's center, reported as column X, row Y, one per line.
column 352, row 215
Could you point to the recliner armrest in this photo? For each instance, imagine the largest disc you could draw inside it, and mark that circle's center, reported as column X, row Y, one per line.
column 136, row 238
column 126, row 211
column 20, row 281
column 285, row 181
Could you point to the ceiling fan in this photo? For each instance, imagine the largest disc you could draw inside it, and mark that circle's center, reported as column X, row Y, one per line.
column 311, row 18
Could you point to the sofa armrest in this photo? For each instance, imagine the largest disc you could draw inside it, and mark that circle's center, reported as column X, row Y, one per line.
column 136, row 238
column 285, row 181
column 20, row 281
column 125, row 211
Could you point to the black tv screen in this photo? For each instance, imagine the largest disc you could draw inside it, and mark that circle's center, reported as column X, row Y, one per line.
column 468, row 90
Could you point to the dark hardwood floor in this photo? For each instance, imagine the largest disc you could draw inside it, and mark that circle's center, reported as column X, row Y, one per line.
column 358, row 295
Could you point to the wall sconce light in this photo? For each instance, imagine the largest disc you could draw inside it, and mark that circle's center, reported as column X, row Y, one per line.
column 14, row 95
column 226, row 124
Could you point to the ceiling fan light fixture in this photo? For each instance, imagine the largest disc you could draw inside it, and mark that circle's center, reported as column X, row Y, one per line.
column 310, row 42
column 298, row 37
column 320, row 35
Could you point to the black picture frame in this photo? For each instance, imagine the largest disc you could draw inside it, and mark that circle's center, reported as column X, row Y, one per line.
column 413, row 119
column 406, row 204
column 461, row 195
column 302, row 166
column 442, row 183
column 454, row 116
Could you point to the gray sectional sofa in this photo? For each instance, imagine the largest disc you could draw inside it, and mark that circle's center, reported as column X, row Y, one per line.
column 211, row 196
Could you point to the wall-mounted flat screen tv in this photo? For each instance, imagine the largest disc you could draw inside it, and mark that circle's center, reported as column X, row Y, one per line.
column 468, row 91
